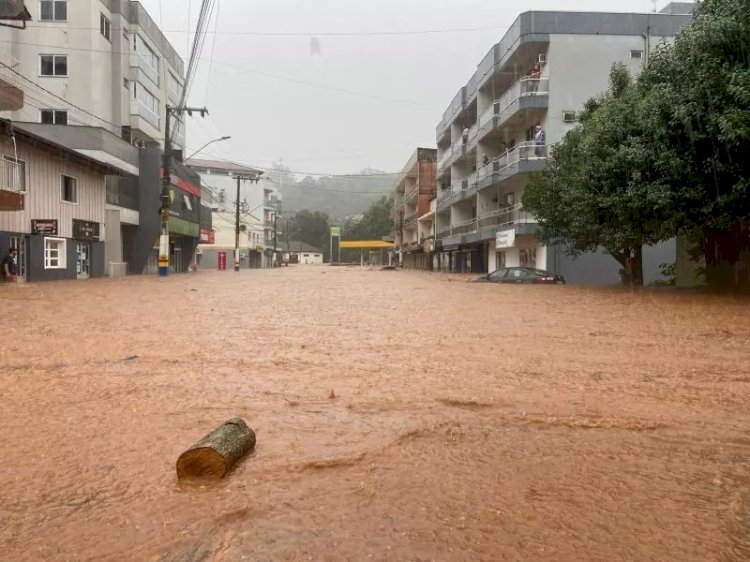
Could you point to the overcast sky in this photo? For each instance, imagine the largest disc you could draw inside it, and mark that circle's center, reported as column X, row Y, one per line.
column 331, row 103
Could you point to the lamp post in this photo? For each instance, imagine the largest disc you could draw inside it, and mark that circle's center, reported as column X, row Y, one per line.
column 208, row 144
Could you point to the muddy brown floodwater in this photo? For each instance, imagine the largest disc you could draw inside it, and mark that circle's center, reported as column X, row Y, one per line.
column 470, row 422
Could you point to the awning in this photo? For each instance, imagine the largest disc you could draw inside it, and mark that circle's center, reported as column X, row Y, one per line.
column 14, row 10
column 365, row 244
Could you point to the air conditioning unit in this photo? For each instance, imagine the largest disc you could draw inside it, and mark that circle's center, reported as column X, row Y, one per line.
column 541, row 58
column 569, row 116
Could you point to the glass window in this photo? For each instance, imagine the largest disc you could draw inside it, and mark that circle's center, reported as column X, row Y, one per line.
column 145, row 98
column 174, row 88
column 53, row 65
column 54, row 10
column 54, row 117
column 145, row 52
column 13, row 174
column 54, row 253
column 69, row 189
column 105, row 27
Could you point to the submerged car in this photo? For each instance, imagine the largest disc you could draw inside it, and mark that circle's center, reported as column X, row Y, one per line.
column 522, row 275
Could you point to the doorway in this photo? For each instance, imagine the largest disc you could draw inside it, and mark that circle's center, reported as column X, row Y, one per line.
column 19, row 243
column 83, row 260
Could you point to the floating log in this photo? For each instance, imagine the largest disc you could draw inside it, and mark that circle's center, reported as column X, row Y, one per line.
column 216, row 454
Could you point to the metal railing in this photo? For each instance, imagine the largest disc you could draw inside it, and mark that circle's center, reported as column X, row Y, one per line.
column 524, row 87
column 507, row 216
column 12, row 175
column 412, row 193
column 411, row 218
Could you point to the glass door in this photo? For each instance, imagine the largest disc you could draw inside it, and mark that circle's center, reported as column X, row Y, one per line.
column 83, row 261
column 19, row 243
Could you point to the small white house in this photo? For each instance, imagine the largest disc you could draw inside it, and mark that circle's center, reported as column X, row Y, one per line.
column 302, row 253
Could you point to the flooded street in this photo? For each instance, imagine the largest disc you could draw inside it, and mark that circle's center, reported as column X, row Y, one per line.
column 399, row 416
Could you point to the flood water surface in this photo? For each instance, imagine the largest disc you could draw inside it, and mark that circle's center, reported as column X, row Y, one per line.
column 399, row 416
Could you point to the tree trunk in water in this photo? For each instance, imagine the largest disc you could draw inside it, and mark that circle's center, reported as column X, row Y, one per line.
column 216, row 454
column 636, row 267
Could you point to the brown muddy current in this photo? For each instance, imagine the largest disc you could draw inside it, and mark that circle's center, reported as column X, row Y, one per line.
column 468, row 422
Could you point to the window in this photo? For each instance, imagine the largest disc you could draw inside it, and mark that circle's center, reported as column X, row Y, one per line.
column 13, row 175
column 54, row 117
column 569, row 116
column 54, row 10
column 53, row 65
column 69, row 189
column 54, row 253
column 105, row 27
column 186, row 204
column 636, row 54
column 174, row 88
column 145, row 52
column 145, row 98
column 528, row 258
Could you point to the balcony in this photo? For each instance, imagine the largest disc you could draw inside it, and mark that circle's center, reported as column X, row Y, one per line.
column 526, row 93
column 526, row 157
column 508, row 216
column 139, row 109
column 412, row 194
column 486, row 226
column 138, row 61
column 411, row 219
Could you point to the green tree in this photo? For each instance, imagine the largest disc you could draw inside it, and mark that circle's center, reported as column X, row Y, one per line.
column 699, row 117
column 602, row 186
column 374, row 224
column 312, row 228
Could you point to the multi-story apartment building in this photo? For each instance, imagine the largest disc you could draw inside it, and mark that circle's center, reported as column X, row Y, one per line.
column 497, row 131
column 101, row 63
column 415, row 187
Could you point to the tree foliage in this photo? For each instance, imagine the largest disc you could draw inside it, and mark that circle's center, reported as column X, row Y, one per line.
column 311, row 227
column 663, row 156
column 374, row 224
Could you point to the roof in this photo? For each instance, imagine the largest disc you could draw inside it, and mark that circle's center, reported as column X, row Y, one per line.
column 296, row 246
column 14, row 10
column 223, row 166
column 365, row 244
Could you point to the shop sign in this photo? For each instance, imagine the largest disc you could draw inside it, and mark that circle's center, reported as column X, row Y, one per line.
column 505, row 238
column 335, row 232
column 44, row 227
column 85, row 230
column 207, row 236
column 222, row 261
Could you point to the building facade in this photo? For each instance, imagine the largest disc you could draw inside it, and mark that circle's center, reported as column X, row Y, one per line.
column 301, row 253
column 58, row 230
column 415, row 188
column 497, row 131
column 256, row 199
column 101, row 63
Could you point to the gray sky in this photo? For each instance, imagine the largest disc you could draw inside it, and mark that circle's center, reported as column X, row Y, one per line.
column 331, row 103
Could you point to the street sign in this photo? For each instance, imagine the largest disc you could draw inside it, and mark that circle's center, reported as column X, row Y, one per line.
column 336, row 231
column 44, row 227
column 505, row 238
column 85, row 230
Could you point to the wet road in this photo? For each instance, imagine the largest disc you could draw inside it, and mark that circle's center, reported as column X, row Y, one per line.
column 470, row 422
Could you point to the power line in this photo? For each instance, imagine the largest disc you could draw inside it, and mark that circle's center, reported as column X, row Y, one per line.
column 385, row 33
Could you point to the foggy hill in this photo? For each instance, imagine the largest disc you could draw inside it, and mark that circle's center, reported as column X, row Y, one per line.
column 337, row 196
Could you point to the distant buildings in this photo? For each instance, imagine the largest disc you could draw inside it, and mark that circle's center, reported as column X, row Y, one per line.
column 415, row 188
column 302, row 253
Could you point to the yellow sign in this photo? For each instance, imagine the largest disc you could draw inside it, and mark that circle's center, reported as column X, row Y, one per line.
column 336, row 231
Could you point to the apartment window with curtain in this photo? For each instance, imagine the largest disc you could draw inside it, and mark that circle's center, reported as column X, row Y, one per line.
column 53, row 10
column 53, row 65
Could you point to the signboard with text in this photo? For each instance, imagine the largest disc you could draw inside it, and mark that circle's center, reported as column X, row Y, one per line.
column 505, row 238
column 207, row 236
column 336, row 231
column 44, row 227
column 85, row 230
column 222, row 261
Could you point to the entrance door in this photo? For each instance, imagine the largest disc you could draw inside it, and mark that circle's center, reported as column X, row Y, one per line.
column 19, row 243
column 83, row 261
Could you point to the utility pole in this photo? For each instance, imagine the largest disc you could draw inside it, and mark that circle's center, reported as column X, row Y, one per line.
column 166, row 181
column 275, row 237
column 237, row 220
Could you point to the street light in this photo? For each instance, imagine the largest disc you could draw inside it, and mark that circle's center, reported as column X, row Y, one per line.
column 207, row 144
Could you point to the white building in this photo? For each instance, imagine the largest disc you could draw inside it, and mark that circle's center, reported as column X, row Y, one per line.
column 101, row 63
column 301, row 253
column 257, row 211
column 541, row 72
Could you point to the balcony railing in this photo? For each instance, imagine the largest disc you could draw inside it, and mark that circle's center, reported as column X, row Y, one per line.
column 412, row 193
column 523, row 88
column 411, row 218
column 507, row 216
column 528, row 150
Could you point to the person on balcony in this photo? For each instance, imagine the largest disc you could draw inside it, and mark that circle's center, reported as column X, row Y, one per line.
column 485, row 160
column 539, row 142
column 535, row 75
column 465, row 135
